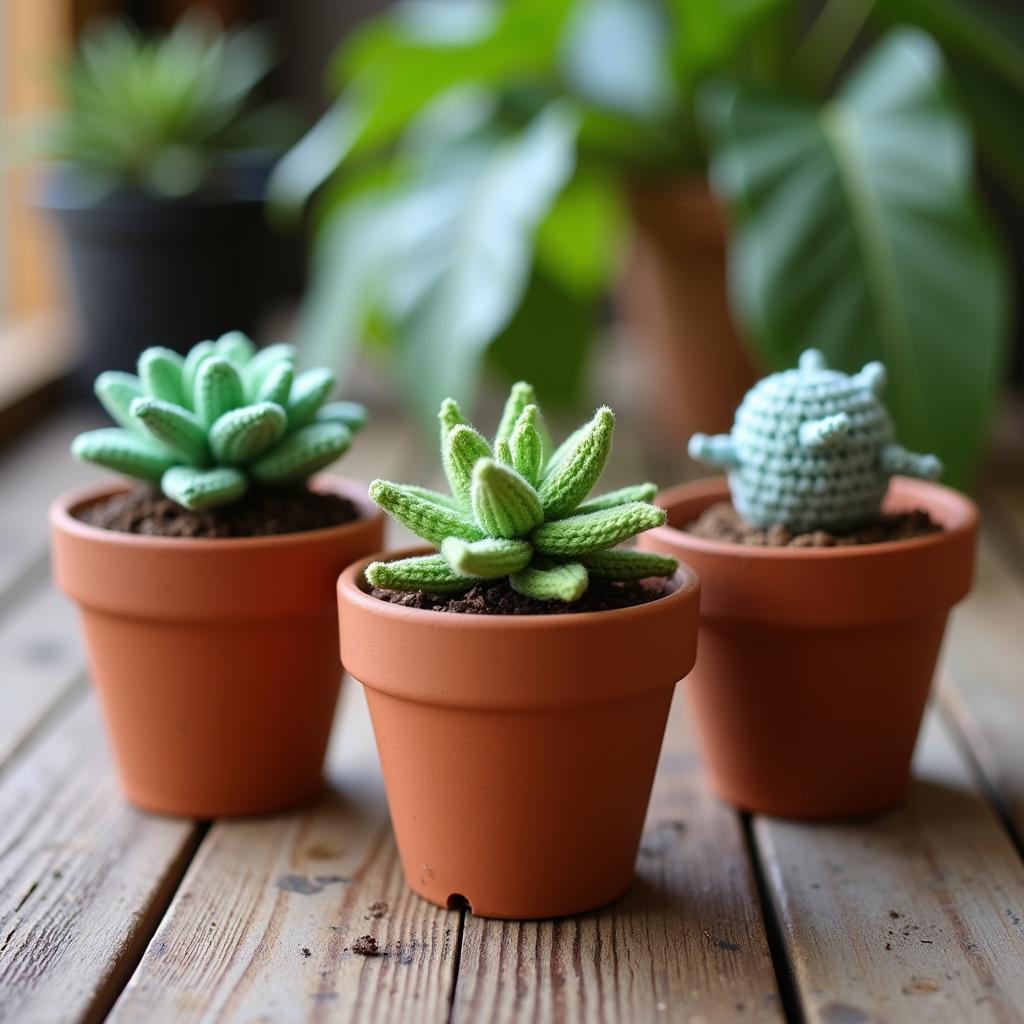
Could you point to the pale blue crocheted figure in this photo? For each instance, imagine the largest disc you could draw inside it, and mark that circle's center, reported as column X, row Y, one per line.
column 812, row 448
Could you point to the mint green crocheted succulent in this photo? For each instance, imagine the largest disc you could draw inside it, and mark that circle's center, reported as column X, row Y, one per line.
column 518, row 510
column 209, row 425
column 812, row 448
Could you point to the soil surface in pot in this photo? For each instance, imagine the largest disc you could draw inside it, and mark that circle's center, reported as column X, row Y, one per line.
column 259, row 514
column 722, row 522
column 496, row 597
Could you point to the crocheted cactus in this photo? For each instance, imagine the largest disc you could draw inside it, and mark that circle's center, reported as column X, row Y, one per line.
column 209, row 425
column 517, row 509
column 812, row 448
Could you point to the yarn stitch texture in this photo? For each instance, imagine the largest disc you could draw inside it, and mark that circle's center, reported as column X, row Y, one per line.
column 812, row 448
column 517, row 509
column 208, row 425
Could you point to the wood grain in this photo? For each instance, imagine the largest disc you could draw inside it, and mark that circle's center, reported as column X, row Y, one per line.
column 83, row 877
column 43, row 663
column 686, row 944
column 983, row 677
column 263, row 926
column 917, row 915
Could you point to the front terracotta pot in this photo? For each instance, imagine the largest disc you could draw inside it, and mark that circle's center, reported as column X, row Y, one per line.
column 815, row 663
column 675, row 296
column 216, row 661
column 518, row 751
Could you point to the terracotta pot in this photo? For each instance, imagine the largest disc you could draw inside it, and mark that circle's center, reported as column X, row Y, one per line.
column 674, row 294
column 216, row 661
column 518, row 751
column 815, row 663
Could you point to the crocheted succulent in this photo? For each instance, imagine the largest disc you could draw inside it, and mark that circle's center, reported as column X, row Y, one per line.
column 517, row 509
column 225, row 417
column 812, row 448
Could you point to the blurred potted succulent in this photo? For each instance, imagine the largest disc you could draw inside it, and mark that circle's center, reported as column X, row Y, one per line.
column 826, row 585
column 163, row 158
column 482, row 160
column 207, row 591
column 519, row 678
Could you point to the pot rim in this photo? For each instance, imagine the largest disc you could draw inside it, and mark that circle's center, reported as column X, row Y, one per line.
column 961, row 509
column 352, row 580
column 62, row 508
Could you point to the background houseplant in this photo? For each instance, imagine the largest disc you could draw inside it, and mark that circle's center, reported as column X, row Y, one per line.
column 477, row 159
column 163, row 158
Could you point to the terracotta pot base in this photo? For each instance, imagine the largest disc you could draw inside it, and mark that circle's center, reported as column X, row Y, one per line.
column 518, row 751
column 815, row 665
column 215, row 660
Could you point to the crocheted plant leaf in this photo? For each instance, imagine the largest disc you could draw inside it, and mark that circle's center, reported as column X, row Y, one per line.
column 495, row 523
column 461, row 449
column 123, row 451
column 203, row 488
column 302, row 453
column 618, row 564
column 224, row 409
column 569, row 481
column 415, row 508
column 160, row 374
column 349, row 414
column 812, row 449
column 504, row 504
column 488, row 558
column 309, row 392
column 565, row 582
column 171, row 425
column 218, row 389
column 426, row 572
column 526, row 446
column 592, row 531
column 240, row 435
column 235, row 347
column 116, row 392
column 194, row 358
column 275, row 386
column 255, row 371
column 623, row 496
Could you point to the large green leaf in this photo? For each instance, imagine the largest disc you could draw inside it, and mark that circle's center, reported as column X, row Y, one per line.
column 462, row 251
column 857, row 232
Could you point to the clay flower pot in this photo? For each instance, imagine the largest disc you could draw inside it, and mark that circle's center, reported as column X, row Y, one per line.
column 815, row 663
column 674, row 293
column 518, row 751
column 216, row 661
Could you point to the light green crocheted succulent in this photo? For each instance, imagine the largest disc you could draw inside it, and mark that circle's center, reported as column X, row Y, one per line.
column 517, row 509
column 209, row 425
column 812, row 448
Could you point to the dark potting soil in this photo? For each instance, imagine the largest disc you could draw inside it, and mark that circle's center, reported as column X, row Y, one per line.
column 496, row 597
column 146, row 511
column 723, row 523
column 366, row 945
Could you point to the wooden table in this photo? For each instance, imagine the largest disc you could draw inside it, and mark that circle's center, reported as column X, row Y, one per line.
column 106, row 912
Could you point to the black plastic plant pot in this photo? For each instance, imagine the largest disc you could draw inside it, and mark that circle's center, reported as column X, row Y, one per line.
column 146, row 271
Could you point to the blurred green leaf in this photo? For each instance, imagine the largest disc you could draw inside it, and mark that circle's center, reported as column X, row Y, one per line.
column 708, row 34
column 579, row 242
column 464, row 247
column 616, row 55
column 857, row 232
column 548, row 341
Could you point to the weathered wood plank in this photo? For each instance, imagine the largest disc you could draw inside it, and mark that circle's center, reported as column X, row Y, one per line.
column 983, row 671
column 265, row 921
column 686, row 944
column 917, row 915
column 83, row 877
column 42, row 662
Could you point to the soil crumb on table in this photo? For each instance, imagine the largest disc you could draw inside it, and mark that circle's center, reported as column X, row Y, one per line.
column 366, row 945
column 144, row 510
column 377, row 910
column 722, row 522
column 496, row 597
